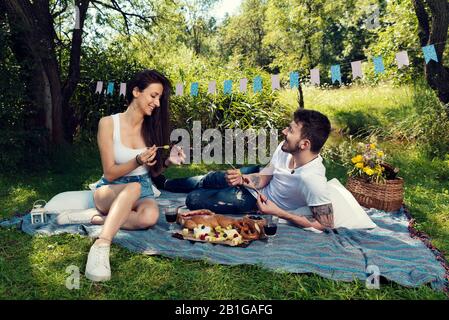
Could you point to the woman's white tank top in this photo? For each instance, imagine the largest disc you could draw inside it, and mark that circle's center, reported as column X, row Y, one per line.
column 123, row 154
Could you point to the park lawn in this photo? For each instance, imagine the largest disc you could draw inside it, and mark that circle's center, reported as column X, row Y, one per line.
column 34, row 267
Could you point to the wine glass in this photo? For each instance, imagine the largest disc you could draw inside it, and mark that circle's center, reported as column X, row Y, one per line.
column 171, row 214
column 270, row 228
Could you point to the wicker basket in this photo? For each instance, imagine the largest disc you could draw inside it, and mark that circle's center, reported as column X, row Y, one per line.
column 387, row 197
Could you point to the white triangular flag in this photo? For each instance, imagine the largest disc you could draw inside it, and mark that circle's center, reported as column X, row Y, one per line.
column 243, row 84
column 275, row 83
column 122, row 89
column 402, row 59
column 77, row 18
column 211, row 89
column 179, row 89
column 315, row 76
column 99, row 88
column 356, row 69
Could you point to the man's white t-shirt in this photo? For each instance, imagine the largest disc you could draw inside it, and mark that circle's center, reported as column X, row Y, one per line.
column 307, row 186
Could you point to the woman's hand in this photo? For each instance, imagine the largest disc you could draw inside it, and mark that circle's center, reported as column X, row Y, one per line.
column 148, row 156
column 177, row 156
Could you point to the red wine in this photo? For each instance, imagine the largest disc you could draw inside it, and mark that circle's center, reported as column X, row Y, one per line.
column 171, row 217
column 270, row 230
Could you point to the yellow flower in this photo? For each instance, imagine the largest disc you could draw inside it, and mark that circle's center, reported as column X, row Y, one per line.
column 372, row 146
column 357, row 158
column 368, row 171
column 359, row 165
column 380, row 154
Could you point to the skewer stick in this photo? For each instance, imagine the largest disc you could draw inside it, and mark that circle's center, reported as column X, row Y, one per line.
column 245, row 180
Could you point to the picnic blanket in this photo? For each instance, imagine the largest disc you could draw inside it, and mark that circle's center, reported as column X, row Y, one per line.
column 340, row 254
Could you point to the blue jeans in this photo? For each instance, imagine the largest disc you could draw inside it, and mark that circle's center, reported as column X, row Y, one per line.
column 211, row 191
column 146, row 191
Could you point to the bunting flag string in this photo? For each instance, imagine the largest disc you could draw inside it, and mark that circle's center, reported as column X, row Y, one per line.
column 122, row 89
column 401, row 58
column 99, row 88
column 110, row 90
column 227, row 87
column 294, row 79
column 212, row 87
column 243, row 85
column 194, row 88
column 356, row 67
column 430, row 53
column 315, row 76
column 275, row 82
column 378, row 65
column 257, row 85
column 336, row 73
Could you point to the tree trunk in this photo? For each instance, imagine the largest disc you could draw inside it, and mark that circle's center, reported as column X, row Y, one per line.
column 69, row 86
column 34, row 49
column 34, row 37
column 433, row 27
column 300, row 96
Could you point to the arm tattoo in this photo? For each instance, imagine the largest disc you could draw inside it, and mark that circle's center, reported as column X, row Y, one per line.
column 255, row 180
column 324, row 214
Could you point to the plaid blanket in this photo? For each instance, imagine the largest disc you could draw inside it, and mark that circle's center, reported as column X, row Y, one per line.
column 340, row 254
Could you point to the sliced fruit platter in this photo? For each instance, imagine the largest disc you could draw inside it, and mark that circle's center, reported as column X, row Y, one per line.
column 206, row 226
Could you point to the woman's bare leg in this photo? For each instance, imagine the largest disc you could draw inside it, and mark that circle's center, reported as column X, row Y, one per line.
column 144, row 212
column 120, row 199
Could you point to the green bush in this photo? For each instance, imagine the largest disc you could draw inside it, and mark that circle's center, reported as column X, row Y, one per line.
column 426, row 124
column 359, row 123
column 244, row 111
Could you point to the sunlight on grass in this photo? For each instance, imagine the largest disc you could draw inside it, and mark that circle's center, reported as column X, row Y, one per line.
column 20, row 197
column 34, row 267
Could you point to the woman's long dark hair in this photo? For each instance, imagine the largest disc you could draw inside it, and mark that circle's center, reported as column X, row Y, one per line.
column 155, row 128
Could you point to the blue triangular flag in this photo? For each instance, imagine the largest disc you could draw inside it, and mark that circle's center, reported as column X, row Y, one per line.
column 257, row 85
column 227, row 87
column 294, row 79
column 378, row 64
column 336, row 73
column 430, row 53
column 110, row 88
column 194, row 89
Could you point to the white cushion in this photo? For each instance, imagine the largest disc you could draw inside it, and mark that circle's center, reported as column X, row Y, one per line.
column 78, row 200
column 347, row 211
column 71, row 200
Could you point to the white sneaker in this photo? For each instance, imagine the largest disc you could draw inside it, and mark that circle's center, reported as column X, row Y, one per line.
column 97, row 266
column 76, row 216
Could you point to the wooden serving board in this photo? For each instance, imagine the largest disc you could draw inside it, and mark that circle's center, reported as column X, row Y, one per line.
column 191, row 238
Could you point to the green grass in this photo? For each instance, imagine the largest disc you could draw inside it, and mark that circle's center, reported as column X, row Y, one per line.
column 34, row 267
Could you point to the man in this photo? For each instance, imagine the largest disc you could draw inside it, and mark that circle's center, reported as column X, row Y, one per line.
column 294, row 178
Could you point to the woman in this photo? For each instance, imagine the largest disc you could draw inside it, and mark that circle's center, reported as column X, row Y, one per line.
column 129, row 155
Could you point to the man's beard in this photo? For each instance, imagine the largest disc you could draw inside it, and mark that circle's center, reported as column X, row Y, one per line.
column 289, row 149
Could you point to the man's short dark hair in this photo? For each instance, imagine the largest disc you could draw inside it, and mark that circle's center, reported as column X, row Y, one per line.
column 315, row 126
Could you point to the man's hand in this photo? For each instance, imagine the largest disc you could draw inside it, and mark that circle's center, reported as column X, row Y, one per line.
column 266, row 206
column 234, row 177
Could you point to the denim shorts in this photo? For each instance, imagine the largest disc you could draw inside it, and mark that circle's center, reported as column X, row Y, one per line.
column 146, row 190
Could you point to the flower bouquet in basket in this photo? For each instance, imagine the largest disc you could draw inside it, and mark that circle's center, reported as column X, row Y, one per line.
column 374, row 182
